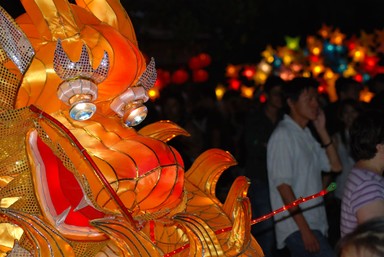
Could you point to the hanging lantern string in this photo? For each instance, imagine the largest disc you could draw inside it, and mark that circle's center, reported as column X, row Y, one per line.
column 297, row 202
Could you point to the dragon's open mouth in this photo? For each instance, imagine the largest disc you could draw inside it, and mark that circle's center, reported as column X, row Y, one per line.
column 60, row 195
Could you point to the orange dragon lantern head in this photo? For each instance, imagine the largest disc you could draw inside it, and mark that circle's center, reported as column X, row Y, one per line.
column 76, row 179
column 81, row 68
column 85, row 61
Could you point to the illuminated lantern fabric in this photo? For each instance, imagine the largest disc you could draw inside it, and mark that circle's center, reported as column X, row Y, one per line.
column 97, row 187
column 194, row 63
column 180, row 76
column 204, row 59
column 200, row 76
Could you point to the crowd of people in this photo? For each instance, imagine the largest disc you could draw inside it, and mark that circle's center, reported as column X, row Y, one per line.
column 292, row 145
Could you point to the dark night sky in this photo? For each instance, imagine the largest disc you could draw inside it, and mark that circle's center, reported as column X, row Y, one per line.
column 236, row 30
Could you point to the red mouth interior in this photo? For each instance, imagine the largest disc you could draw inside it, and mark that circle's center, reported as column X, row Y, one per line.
column 65, row 190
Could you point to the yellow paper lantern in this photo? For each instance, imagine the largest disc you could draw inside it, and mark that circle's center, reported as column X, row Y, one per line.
column 220, row 91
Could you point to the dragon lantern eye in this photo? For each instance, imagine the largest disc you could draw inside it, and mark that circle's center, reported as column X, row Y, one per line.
column 130, row 104
column 134, row 113
column 79, row 94
column 82, row 111
column 79, row 88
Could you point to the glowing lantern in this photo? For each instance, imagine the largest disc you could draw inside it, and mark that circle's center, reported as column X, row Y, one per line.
column 349, row 72
column 325, row 31
column 247, row 91
column 366, row 77
column 314, row 46
column 264, row 67
column 316, row 50
column 317, row 69
column 163, row 78
column 358, row 54
column 351, row 43
column 367, row 40
column 220, row 91
column 287, row 59
column 329, row 74
column 262, row 98
column 321, row 89
column 370, row 63
column 204, row 59
column 296, row 67
column 270, row 59
column 311, row 40
column 337, row 37
column 366, row 95
column 194, row 63
column 340, row 49
column 260, row 77
column 159, row 84
column 277, row 62
column 180, row 76
column 329, row 48
column 314, row 58
column 342, row 65
column 249, row 72
column 293, row 43
column 358, row 77
column 153, row 93
column 268, row 54
column 200, row 75
column 234, row 84
column 306, row 74
column 286, row 74
column 232, row 71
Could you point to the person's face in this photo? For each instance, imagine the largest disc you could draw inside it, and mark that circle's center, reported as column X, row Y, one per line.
column 275, row 98
column 306, row 108
column 348, row 115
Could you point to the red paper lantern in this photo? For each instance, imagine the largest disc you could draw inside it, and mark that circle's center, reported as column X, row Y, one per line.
column 234, row 84
column 370, row 63
column 163, row 78
column 314, row 58
column 262, row 98
column 321, row 89
column 358, row 77
column 204, row 60
column 194, row 63
column 180, row 76
column 249, row 72
column 200, row 76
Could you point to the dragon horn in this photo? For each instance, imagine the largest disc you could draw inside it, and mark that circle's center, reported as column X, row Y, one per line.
column 14, row 43
column 14, row 46
column 53, row 18
column 112, row 13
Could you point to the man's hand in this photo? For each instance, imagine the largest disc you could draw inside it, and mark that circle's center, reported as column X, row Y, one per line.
column 319, row 123
column 310, row 241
